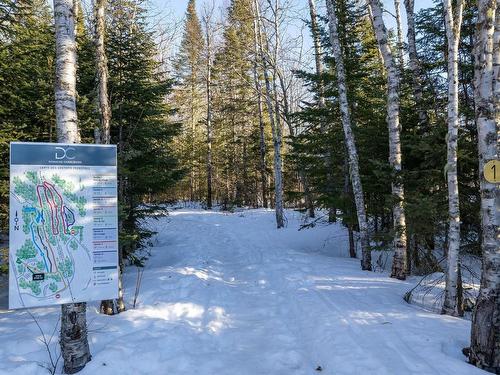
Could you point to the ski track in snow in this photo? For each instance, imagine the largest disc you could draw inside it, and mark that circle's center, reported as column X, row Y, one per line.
column 230, row 294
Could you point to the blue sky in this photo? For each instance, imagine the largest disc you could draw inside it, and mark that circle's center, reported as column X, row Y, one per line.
column 178, row 7
column 174, row 10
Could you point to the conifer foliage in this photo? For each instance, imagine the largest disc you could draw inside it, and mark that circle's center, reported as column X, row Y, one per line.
column 143, row 126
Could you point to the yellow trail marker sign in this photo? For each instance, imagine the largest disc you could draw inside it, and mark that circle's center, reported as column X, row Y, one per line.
column 492, row 171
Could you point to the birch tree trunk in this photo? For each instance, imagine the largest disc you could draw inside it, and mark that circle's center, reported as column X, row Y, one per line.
column 453, row 21
column 400, row 43
column 414, row 63
column 485, row 337
column 275, row 124
column 73, row 340
column 65, row 84
column 398, row 213
column 352, row 152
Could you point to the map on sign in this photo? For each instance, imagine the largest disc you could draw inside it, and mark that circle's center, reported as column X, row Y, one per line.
column 63, row 224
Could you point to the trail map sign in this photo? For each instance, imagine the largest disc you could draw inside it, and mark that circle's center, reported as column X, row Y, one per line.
column 63, row 242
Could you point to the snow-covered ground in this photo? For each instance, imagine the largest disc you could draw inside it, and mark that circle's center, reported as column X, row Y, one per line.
column 229, row 294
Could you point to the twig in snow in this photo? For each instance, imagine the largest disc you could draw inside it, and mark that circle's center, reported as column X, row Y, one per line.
column 54, row 360
column 140, row 271
column 312, row 224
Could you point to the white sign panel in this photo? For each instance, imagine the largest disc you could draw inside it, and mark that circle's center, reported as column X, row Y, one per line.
column 63, row 239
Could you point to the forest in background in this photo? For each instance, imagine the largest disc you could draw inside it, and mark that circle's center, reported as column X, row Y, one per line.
column 234, row 118
column 376, row 129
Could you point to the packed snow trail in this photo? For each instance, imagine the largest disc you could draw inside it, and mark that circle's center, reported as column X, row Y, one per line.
column 229, row 294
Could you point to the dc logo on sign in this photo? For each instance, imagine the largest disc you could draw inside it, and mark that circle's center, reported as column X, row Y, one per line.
column 65, row 153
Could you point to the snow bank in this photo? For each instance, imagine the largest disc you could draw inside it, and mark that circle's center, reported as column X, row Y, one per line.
column 229, row 294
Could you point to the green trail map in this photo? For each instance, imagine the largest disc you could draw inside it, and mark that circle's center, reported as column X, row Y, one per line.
column 51, row 220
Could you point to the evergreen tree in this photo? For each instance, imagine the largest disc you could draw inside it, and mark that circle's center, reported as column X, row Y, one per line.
column 26, row 83
column 236, row 115
column 141, row 124
column 365, row 95
column 190, row 101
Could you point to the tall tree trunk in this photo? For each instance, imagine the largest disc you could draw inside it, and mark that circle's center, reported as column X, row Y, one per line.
column 73, row 340
column 208, row 31
column 414, row 62
column 65, row 84
column 110, row 306
column 349, row 197
column 453, row 24
column 400, row 253
column 485, row 336
column 352, row 151
column 192, row 177
column 277, row 131
column 317, row 51
column 102, row 70
column 275, row 124
column 399, row 28
column 262, row 137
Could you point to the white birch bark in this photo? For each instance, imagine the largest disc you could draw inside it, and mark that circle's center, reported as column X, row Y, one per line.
column 485, row 337
column 453, row 22
column 275, row 124
column 73, row 338
column 398, row 213
column 352, row 152
column 399, row 29
column 65, row 83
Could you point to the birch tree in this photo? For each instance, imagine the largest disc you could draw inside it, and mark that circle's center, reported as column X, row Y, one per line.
column 485, row 337
column 273, row 108
column 399, row 29
column 65, row 85
column 74, row 344
column 397, row 187
column 452, row 299
column 352, row 152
